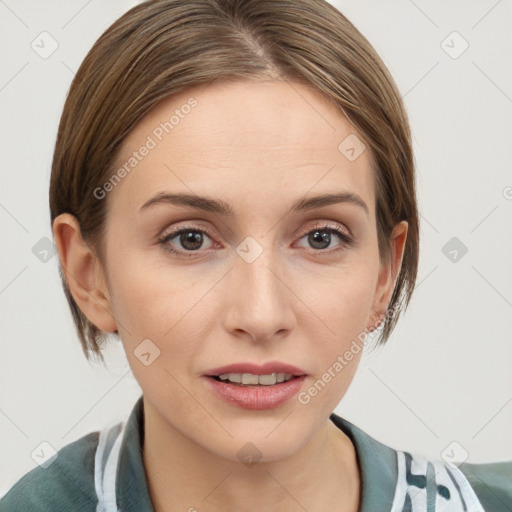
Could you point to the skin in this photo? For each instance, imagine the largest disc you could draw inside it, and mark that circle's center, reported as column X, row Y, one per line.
column 258, row 146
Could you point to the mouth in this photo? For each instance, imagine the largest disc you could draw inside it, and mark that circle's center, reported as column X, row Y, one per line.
column 251, row 386
column 250, row 379
column 268, row 374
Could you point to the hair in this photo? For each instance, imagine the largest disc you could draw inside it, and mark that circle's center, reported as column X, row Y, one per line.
column 162, row 47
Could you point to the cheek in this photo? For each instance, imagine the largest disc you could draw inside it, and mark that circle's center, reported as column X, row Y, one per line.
column 171, row 307
column 342, row 297
column 162, row 326
column 144, row 300
column 344, row 304
column 343, row 301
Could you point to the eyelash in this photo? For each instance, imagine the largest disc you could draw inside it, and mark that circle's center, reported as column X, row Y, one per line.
column 343, row 237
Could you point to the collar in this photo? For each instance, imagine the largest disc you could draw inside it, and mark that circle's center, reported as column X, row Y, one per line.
column 377, row 463
column 131, row 482
column 378, row 468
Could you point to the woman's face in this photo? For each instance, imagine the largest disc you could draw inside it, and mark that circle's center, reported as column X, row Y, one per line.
column 275, row 275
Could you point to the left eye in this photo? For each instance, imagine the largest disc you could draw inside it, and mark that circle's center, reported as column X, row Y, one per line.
column 321, row 238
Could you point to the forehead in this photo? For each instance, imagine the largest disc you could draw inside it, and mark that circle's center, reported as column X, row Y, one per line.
column 252, row 136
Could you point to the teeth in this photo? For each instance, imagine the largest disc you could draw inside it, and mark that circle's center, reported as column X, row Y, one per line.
column 249, row 379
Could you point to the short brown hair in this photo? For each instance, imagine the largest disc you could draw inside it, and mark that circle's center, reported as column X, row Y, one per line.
column 162, row 47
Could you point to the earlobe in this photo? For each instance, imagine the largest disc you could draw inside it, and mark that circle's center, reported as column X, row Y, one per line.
column 83, row 272
column 388, row 274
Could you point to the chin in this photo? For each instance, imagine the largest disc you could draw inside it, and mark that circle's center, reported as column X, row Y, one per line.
column 267, row 441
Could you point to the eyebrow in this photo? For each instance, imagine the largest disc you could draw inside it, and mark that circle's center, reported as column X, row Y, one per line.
column 221, row 207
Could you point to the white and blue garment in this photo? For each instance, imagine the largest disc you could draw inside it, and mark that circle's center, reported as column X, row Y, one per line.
column 105, row 467
column 431, row 486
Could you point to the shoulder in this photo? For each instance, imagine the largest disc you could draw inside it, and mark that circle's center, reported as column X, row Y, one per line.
column 67, row 483
column 492, row 482
column 403, row 480
column 475, row 487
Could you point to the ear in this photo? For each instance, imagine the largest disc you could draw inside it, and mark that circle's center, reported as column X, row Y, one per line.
column 83, row 272
column 388, row 275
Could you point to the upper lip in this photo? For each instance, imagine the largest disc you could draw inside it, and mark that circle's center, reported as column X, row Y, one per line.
column 255, row 369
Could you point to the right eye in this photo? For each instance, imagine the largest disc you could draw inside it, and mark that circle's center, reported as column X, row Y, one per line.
column 184, row 240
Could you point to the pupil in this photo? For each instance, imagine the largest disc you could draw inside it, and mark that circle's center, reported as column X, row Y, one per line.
column 320, row 237
column 191, row 240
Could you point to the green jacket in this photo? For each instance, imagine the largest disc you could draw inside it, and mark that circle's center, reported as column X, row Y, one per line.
column 109, row 464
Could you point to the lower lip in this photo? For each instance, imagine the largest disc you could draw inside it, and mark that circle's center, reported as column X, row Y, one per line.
column 256, row 397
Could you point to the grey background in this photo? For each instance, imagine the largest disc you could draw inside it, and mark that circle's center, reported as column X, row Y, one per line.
column 445, row 375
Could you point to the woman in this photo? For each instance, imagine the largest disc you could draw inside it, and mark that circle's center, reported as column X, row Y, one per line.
column 232, row 194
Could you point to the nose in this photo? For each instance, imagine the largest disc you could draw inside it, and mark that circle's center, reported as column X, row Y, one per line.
column 259, row 302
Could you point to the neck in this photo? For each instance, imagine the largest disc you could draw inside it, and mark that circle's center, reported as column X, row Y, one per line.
column 184, row 476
